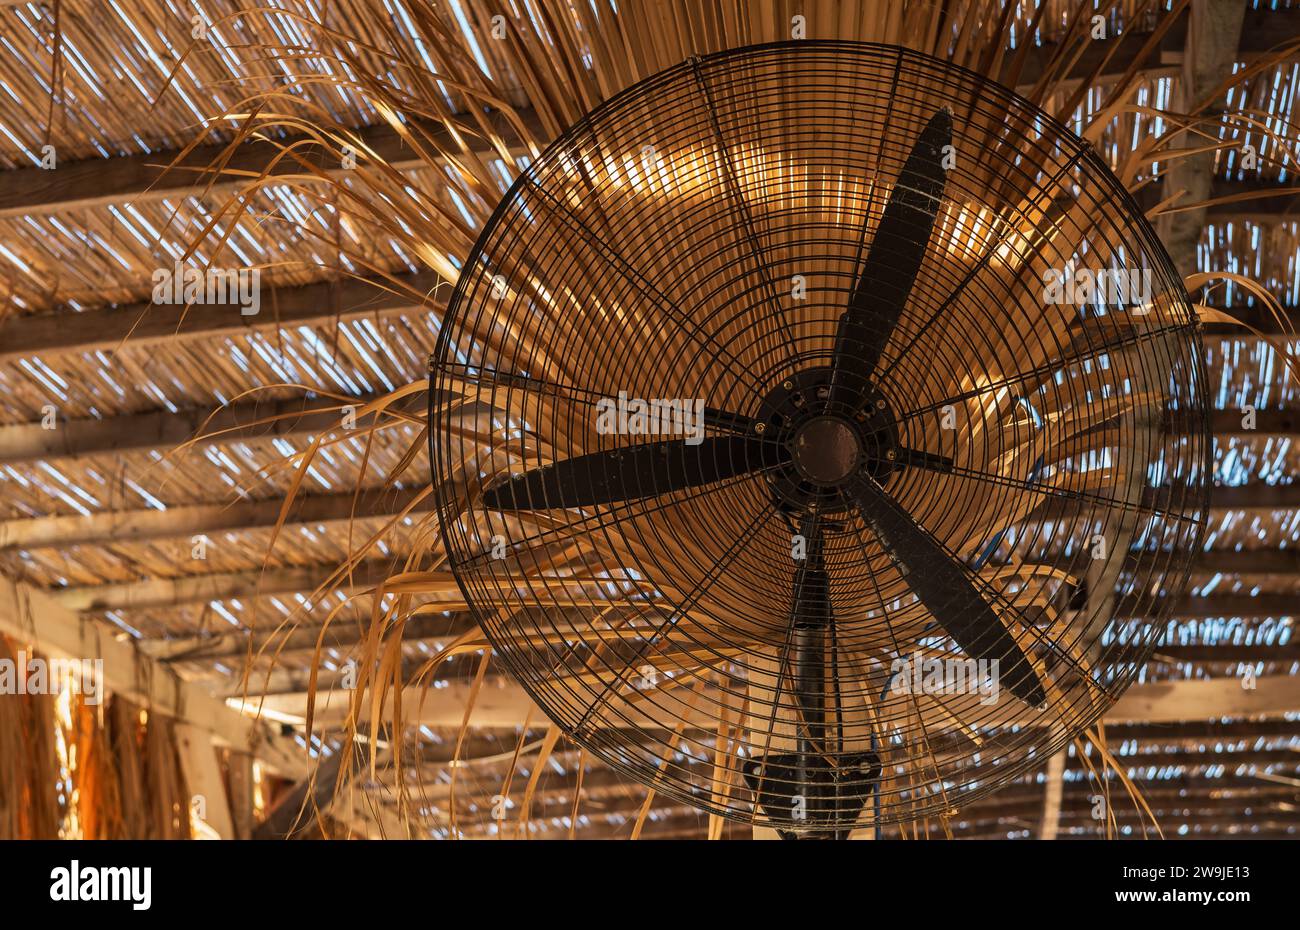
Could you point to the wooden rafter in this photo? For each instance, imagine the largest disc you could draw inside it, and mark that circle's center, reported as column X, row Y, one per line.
column 164, row 429
column 221, row 586
column 506, row 704
column 142, row 525
column 147, row 324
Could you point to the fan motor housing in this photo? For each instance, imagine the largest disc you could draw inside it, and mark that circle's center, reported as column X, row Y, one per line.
column 828, row 444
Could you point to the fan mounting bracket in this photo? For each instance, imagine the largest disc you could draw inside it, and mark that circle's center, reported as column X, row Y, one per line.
column 805, row 798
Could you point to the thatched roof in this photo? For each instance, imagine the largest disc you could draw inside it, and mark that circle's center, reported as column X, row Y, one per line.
column 105, row 512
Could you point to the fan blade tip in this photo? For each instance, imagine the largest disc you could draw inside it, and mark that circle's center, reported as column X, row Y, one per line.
column 1030, row 690
column 941, row 122
column 938, row 131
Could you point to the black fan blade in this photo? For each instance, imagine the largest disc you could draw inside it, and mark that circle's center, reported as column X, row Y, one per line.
column 892, row 263
column 633, row 472
column 945, row 589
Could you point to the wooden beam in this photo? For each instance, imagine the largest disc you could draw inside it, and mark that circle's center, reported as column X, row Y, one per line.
column 1211, row 731
column 1050, row 810
column 1265, row 201
column 549, row 802
column 598, row 783
column 249, row 421
column 663, row 823
column 504, row 703
column 1269, row 422
column 476, row 824
column 1206, row 699
column 1213, row 38
column 1242, row 831
column 1227, row 562
column 1248, row 561
column 1156, row 784
column 1171, row 808
column 340, row 634
column 1083, row 826
column 554, row 799
column 270, row 680
column 501, row 702
column 1195, row 758
column 1257, row 496
column 131, row 526
column 198, row 758
column 1262, row 200
column 221, row 586
column 1256, row 317
column 144, row 524
column 137, row 178
column 135, row 526
column 34, row 618
column 1216, row 605
column 1230, row 653
column 147, row 324
column 239, row 773
column 558, row 804
column 1079, row 794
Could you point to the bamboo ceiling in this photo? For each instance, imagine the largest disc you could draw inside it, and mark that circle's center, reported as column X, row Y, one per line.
column 428, row 84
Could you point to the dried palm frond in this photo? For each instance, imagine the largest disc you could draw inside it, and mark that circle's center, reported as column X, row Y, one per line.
column 29, row 780
column 153, row 798
column 98, row 793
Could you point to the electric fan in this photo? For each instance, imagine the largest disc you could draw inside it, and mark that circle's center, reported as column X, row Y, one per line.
column 831, row 435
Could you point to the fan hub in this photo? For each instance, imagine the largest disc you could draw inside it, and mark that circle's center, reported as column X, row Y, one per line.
column 826, row 450
column 828, row 442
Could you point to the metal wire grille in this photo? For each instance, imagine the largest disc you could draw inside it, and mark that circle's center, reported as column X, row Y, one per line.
column 731, row 625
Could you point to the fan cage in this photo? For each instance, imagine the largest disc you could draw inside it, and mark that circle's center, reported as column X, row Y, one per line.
column 654, row 250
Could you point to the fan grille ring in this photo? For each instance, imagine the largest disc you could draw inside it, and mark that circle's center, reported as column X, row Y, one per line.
column 671, row 273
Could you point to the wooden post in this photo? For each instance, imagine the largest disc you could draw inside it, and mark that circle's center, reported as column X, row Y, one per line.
column 239, row 776
column 1054, row 789
column 207, row 788
column 1213, row 36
